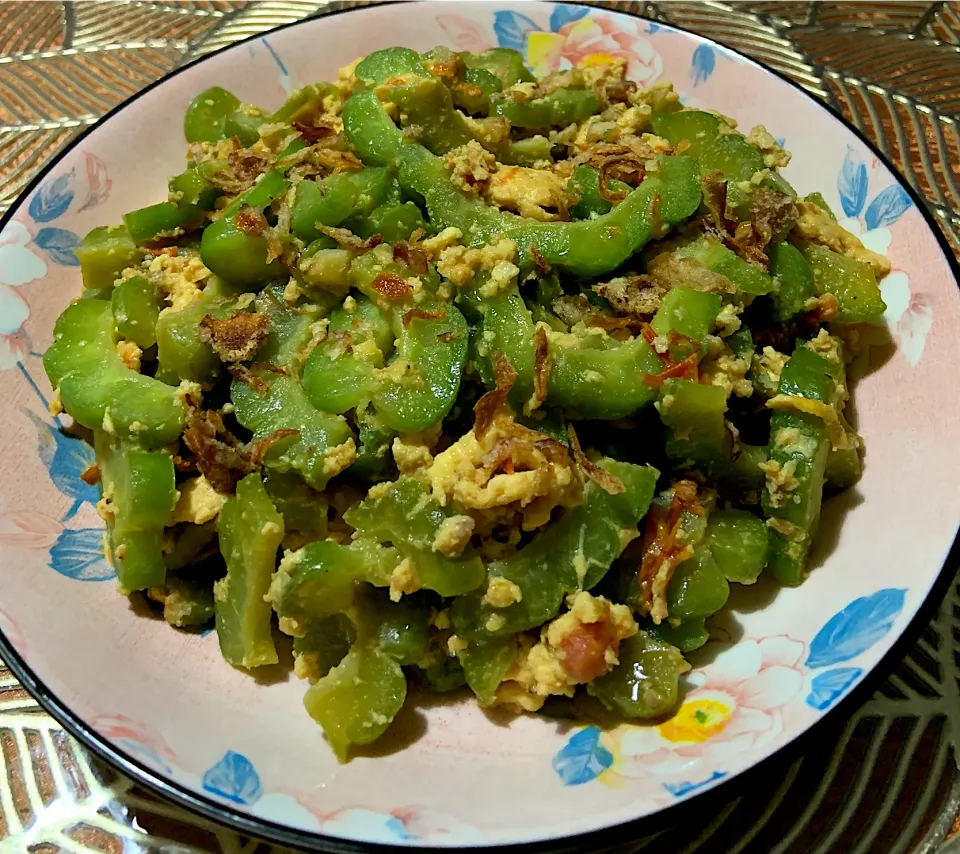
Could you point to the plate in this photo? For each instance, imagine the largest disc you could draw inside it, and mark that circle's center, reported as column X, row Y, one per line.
column 164, row 706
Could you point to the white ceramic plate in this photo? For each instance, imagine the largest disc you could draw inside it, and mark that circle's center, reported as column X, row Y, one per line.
column 166, row 708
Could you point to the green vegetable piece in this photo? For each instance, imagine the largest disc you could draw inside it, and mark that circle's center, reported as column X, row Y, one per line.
column 426, row 105
column 818, row 200
column 381, row 65
column 104, row 253
column 326, row 269
column 585, row 182
column 300, row 99
column 584, row 248
column 688, row 312
column 697, row 588
column 436, row 348
column 695, row 129
column 250, row 533
column 796, row 280
column 181, row 353
column 98, row 389
column 528, row 152
column 710, row 253
column 238, row 257
column 804, row 447
column 408, row 517
column 142, row 493
column 558, row 109
column 187, row 544
column 503, row 62
column 843, row 470
column 741, row 343
column 303, row 508
column 852, row 282
column 646, row 682
column 738, row 541
column 337, row 198
column 164, row 219
column 188, row 604
column 375, row 455
column 472, row 94
column 356, row 701
column 402, row 627
column 136, row 308
column 285, row 405
column 194, row 186
column 322, row 578
column 217, row 114
column 572, row 553
column 695, row 415
column 444, row 675
column 393, row 222
column 486, row 664
column 686, row 636
column 323, row 646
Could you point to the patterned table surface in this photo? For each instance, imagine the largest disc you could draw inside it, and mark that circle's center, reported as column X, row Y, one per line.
column 883, row 780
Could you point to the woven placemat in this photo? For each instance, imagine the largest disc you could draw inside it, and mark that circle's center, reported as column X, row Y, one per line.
column 883, row 780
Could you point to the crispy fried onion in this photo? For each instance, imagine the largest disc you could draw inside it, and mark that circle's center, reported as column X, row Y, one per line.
column 391, row 286
column 542, row 366
column 424, row 314
column 633, row 297
column 625, row 160
column 240, row 172
column 662, row 553
column 314, row 129
column 607, row 482
column 487, row 407
column 251, row 376
column 237, row 338
column 685, row 368
column 577, row 308
column 771, row 215
column 346, row 239
column 413, row 257
column 220, row 457
column 251, row 221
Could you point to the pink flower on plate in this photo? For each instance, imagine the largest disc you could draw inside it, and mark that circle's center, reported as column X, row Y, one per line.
column 27, row 529
column 18, row 266
column 595, row 41
column 735, row 707
column 464, row 34
column 136, row 739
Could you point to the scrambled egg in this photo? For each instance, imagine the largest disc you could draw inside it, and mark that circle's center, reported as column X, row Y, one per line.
column 404, row 579
column 574, row 648
column 179, row 273
column 534, row 193
column 339, row 457
column 453, row 535
column 773, row 155
column 816, row 226
column 199, row 502
column 728, row 372
column 130, row 353
column 459, row 264
column 502, row 593
column 413, row 452
column 510, row 466
column 767, row 366
column 728, row 320
column 781, row 480
column 826, row 345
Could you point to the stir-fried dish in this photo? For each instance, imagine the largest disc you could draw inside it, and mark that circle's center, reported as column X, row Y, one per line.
column 459, row 376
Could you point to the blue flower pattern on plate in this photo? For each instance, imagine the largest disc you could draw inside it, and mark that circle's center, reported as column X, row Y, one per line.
column 53, row 198
column 886, row 208
column 680, row 789
column 563, row 15
column 235, row 779
column 856, row 628
column 828, row 687
column 59, row 244
column 65, row 458
column 702, row 65
column 583, row 758
column 511, row 29
column 78, row 554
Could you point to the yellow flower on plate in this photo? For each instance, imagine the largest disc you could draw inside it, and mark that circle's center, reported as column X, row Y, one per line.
column 697, row 720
